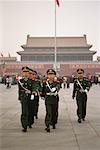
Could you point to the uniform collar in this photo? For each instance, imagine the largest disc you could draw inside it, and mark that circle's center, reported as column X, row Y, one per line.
column 25, row 79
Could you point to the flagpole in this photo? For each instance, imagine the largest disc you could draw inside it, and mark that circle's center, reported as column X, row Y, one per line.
column 55, row 42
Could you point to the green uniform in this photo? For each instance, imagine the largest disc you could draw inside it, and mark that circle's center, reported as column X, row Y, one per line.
column 80, row 92
column 25, row 86
column 51, row 102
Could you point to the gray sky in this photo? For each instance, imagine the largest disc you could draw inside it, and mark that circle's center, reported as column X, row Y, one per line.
column 36, row 17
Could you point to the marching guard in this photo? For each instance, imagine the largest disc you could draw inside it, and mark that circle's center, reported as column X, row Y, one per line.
column 80, row 89
column 36, row 90
column 25, row 91
column 50, row 93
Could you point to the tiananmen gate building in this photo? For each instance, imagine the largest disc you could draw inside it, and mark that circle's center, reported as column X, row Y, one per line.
column 72, row 53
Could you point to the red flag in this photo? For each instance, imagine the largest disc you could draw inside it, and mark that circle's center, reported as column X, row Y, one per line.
column 57, row 1
column 1, row 55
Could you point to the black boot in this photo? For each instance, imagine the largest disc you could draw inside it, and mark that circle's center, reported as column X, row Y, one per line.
column 79, row 120
column 24, row 130
column 30, row 126
column 36, row 117
column 54, row 127
column 83, row 119
column 47, row 129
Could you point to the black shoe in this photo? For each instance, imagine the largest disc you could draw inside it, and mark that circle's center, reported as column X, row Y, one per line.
column 47, row 129
column 83, row 119
column 54, row 127
column 79, row 120
column 36, row 117
column 30, row 126
column 24, row 130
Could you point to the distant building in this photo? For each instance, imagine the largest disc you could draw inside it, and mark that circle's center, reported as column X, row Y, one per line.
column 4, row 61
column 38, row 54
column 8, row 59
column 41, row 49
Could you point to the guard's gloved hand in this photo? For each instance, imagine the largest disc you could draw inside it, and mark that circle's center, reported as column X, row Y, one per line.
column 55, row 93
column 86, row 90
column 32, row 97
column 53, row 89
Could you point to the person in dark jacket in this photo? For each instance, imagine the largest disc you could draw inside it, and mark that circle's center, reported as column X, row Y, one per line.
column 50, row 92
column 24, row 95
column 80, row 89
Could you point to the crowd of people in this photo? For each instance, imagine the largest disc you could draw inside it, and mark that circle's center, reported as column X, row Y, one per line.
column 31, row 88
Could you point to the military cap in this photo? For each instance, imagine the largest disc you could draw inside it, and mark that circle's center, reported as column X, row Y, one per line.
column 80, row 70
column 32, row 71
column 25, row 69
column 51, row 71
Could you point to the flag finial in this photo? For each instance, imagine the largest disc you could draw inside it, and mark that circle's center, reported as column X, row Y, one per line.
column 57, row 1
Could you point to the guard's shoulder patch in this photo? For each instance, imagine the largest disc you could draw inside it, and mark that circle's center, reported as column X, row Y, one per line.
column 57, row 81
column 44, row 81
column 37, row 80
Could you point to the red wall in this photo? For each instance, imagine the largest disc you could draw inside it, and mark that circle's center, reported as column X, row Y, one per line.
column 65, row 69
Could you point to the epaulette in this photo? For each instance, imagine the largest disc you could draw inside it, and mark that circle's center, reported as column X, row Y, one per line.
column 37, row 80
column 57, row 81
column 86, row 79
column 44, row 81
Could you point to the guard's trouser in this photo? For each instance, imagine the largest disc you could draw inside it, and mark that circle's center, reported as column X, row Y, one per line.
column 81, row 105
column 51, row 114
column 57, row 107
column 31, row 112
column 36, row 105
column 25, row 114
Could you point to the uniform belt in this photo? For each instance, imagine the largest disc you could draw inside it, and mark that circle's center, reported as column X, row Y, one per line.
column 22, row 90
column 82, row 91
column 25, row 92
column 50, row 94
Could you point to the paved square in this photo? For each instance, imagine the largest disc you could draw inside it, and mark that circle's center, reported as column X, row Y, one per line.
column 69, row 135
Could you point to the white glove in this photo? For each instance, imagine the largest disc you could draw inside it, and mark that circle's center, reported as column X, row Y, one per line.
column 55, row 93
column 86, row 90
column 53, row 89
column 32, row 97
